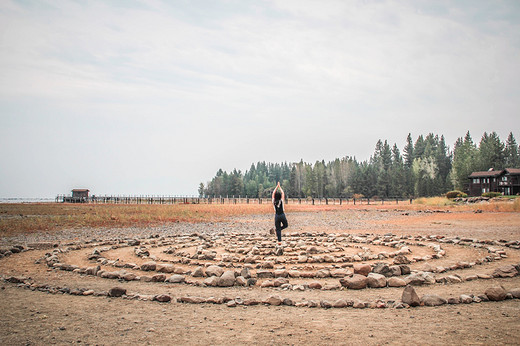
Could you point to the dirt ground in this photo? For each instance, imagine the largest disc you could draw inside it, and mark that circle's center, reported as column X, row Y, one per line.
column 37, row 318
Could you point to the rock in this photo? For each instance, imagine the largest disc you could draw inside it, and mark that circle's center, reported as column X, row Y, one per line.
column 241, row 281
column 198, row 272
column 251, row 301
column 454, row 300
column 340, row 303
column 263, row 274
column 274, row 300
column 278, row 251
column 227, row 279
column 376, row 280
column 339, row 273
column 128, row 277
column 294, row 273
column 465, row 299
column 88, row 292
column 149, row 266
column 356, row 282
column 452, row 279
column 358, row 304
column 405, row 270
column 433, row 300
column 315, row 285
column 116, row 292
column 176, row 279
column 191, row 300
column 231, row 303
column 16, row 279
column 322, row 273
column 163, row 298
column 396, row 282
column 515, row 292
column 159, row 278
column 362, row 268
column 410, row 297
column 214, row 270
column 92, row 270
column 245, row 272
column 281, row 273
column 496, row 293
column 165, row 268
column 288, row 302
column 267, row 283
column 325, row 304
column 383, row 269
column 420, row 278
column 394, row 271
column 507, row 271
column 401, row 259
column 251, row 282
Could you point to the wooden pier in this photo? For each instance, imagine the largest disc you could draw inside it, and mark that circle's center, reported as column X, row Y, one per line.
column 227, row 200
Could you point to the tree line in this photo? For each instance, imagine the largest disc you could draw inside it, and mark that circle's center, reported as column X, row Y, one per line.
column 426, row 167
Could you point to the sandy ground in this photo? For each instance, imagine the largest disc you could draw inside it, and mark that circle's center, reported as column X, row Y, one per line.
column 37, row 318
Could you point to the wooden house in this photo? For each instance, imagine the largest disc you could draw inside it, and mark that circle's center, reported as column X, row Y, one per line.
column 506, row 182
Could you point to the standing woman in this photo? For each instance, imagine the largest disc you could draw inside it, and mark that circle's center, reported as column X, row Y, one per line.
column 280, row 221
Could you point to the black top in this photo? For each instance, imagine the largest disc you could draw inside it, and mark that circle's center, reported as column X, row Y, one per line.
column 278, row 206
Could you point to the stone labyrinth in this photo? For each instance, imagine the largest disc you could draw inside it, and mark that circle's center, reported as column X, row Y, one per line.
column 311, row 270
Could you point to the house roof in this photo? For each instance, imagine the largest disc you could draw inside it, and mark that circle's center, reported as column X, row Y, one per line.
column 486, row 174
column 80, row 190
column 513, row 171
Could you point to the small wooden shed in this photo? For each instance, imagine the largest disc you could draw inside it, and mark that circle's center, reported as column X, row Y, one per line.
column 80, row 193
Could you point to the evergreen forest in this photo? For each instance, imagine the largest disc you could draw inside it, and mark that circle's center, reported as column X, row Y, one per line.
column 425, row 167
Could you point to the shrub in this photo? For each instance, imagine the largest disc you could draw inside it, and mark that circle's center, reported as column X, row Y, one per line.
column 491, row 194
column 455, row 194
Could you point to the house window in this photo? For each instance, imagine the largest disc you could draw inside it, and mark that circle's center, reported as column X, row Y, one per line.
column 476, row 180
column 504, row 178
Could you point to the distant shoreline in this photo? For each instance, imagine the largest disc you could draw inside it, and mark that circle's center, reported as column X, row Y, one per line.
column 27, row 200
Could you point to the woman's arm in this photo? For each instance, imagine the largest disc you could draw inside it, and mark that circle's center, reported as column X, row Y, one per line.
column 274, row 191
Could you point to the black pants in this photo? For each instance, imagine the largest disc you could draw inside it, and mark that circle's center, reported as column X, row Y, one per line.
column 280, row 222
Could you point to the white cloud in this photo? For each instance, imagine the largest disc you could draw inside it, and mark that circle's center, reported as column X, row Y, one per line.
column 216, row 84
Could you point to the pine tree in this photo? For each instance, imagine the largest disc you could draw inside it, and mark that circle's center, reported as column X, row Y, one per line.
column 511, row 153
column 491, row 152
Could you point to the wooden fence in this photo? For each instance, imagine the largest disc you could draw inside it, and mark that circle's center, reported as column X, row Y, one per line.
column 227, row 200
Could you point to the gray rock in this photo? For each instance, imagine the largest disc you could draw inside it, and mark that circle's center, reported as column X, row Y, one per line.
column 410, row 297
column 165, row 268
column 214, row 270
column 454, row 300
column 376, row 280
column 466, row 299
column 274, row 300
column 356, row 282
column 176, row 279
column 159, row 278
column 246, row 273
column 149, row 266
column 433, row 300
column 263, row 274
column 163, row 298
column 515, row 292
column 401, row 259
column 396, row 282
column 116, row 292
column 507, row 271
column 362, row 268
column 496, row 293
column 340, row 303
column 227, row 279
column 198, row 272
column 420, row 278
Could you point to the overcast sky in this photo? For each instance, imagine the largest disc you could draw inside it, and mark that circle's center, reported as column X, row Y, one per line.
column 153, row 97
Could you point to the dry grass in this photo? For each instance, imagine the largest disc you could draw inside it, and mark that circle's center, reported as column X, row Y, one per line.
column 27, row 218
column 16, row 218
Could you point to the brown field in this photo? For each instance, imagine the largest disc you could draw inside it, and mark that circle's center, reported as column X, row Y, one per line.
column 32, row 317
